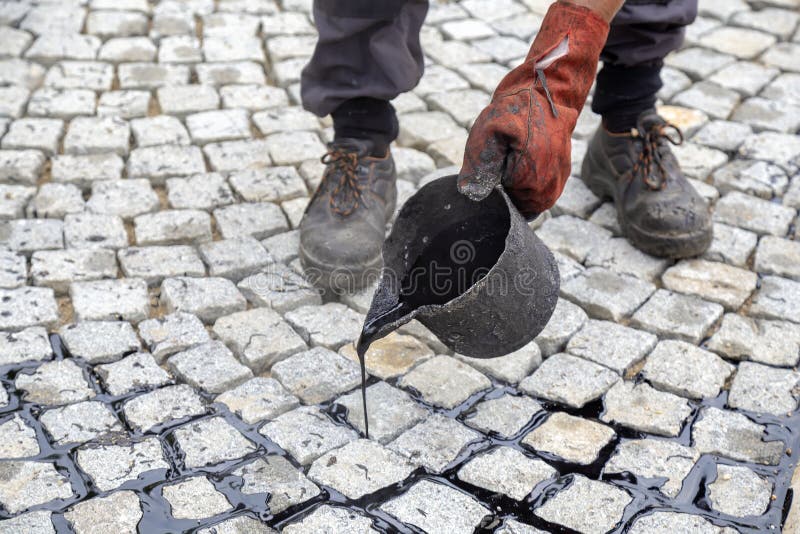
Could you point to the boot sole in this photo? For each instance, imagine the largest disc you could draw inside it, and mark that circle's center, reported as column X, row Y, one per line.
column 676, row 246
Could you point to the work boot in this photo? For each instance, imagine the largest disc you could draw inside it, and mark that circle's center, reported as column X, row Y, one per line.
column 658, row 209
column 343, row 228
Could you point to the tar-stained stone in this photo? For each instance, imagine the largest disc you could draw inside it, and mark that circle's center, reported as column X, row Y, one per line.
column 306, row 433
column 32, row 523
column 763, row 389
column 675, row 522
column 569, row 380
column 505, row 415
column 25, row 345
column 739, row 492
column 437, row 508
column 391, row 356
column 25, row 484
column 444, row 381
column 286, row 485
column 163, row 406
column 317, row 375
column 195, row 498
column 640, row 407
column 506, row 470
column 654, row 458
column 118, row 512
column 391, row 411
column 572, row 438
column 55, row 383
column 601, row 504
column 211, row 441
column 258, row 399
column 734, row 436
column 238, row 525
column 110, row 466
column 79, row 422
column 332, row 519
column 17, row 439
column 435, row 442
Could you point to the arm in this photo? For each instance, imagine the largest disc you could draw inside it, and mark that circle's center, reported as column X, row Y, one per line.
column 522, row 139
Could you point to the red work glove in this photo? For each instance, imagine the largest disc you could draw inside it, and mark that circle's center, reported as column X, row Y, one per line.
column 522, row 138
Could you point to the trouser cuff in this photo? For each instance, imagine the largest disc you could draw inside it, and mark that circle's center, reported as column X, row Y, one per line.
column 622, row 93
column 366, row 118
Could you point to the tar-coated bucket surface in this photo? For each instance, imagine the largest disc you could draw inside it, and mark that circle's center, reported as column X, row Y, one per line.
column 474, row 273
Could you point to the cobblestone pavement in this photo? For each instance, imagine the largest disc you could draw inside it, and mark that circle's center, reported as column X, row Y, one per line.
column 163, row 364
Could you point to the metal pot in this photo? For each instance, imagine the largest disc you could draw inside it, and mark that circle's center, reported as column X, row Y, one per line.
column 497, row 311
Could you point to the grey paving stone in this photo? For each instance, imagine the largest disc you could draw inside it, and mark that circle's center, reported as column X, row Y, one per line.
column 763, row 389
column 783, row 88
column 151, row 75
column 777, row 298
column 444, row 381
column 747, row 78
column 28, row 344
column 32, row 522
column 506, row 470
column 757, row 215
column 391, row 411
column 210, row 367
column 758, row 178
column 280, row 119
column 391, row 356
column 195, row 498
column 698, row 63
column 118, row 512
column 61, row 103
column 124, row 198
column 90, row 135
column 137, row 371
column 99, row 341
column 505, row 415
column 603, row 505
column 21, row 166
column 123, row 104
column 112, row 464
column 172, row 333
column 210, row 442
column 734, row 436
column 159, row 130
column 675, row 522
column 207, row 298
column 765, row 114
column 566, row 320
column 284, row 247
column 572, row 236
column 280, row 288
column 671, row 315
column 336, row 518
column 512, row 526
column 27, row 306
column 55, row 201
column 686, row 370
column 619, row 256
column 237, row 525
column 572, row 438
column 306, row 433
column 654, row 458
column 17, row 439
column 330, row 326
column 569, row 380
column 162, row 406
column 770, row 342
column 172, row 227
column 218, row 125
column 55, row 383
column 739, row 492
column 182, row 100
column 607, row 295
column 26, row 484
column 640, row 407
column 89, row 230
column 127, row 49
column 613, row 345
column 19, row 72
column 259, row 220
column 258, row 399
column 79, row 423
column 226, row 73
column 434, row 443
column 85, row 170
column 38, row 134
column 14, row 199
column 29, row 235
column 361, row 467
column 274, row 184
column 14, row 41
column 201, row 192
column 254, row 97
column 259, row 337
column 718, row 102
column 115, row 23
column 100, row 300
column 234, row 258
column 238, row 155
column 778, row 148
column 290, row 148
column 317, row 375
column 722, row 135
column 779, row 257
column 154, row 264
column 698, row 161
column 510, row 368
column 160, row 162
column 275, row 475
column 731, row 245
column 436, row 508
column 180, row 49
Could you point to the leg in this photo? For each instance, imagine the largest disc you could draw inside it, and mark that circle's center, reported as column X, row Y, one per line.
column 368, row 52
column 642, row 34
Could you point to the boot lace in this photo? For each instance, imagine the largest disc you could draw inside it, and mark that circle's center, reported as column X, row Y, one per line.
column 650, row 163
column 345, row 191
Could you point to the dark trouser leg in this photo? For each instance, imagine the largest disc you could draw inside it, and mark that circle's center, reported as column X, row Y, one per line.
column 642, row 34
column 368, row 52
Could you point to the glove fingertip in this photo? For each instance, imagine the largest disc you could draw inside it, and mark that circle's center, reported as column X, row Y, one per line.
column 474, row 188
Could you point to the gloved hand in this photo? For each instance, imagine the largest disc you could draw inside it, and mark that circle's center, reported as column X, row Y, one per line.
column 522, row 138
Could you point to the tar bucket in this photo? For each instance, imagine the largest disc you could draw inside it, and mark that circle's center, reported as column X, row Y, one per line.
column 474, row 273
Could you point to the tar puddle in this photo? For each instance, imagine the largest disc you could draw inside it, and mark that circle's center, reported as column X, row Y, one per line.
column 156, row 511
